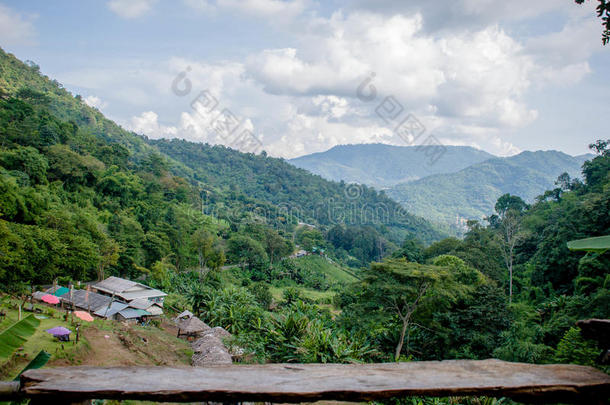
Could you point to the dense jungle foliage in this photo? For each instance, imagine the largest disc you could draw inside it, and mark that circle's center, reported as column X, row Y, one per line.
column 81, row 199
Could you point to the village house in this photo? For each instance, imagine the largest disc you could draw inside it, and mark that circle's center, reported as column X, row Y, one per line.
column 129, row 291
column 113, row 298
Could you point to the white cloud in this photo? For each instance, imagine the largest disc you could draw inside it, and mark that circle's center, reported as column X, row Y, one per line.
column 480, row 76
column 94, row 101
column 467, row 15
column 147, row 124
column 282, row 9
column 130, row 8
column 468, row 87
column 15, row 28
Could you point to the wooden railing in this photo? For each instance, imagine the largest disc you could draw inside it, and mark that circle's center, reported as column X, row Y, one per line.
column 313, row 382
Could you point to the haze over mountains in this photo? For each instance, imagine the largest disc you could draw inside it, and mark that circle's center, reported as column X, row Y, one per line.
column 382, row 166
column 463, row 184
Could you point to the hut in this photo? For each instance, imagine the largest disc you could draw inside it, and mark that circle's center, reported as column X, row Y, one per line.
column 58, row 291
column 184, row 315
column 209, row 350
column 191, row 327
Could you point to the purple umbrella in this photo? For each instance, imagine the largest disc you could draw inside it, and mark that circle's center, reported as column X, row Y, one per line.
column 58, row 331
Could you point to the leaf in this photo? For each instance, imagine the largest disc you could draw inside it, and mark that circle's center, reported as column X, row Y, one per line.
column 38, row 362
column 16, row 335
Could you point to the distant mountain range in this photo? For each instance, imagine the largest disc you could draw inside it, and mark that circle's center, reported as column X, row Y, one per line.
column 383, row 166
column 471, row 193
column 463, row 184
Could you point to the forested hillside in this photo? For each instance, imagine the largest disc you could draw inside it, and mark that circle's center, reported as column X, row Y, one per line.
column 472, row 192
column 305, row 196
column 472, row 311
column 83, row 198
column 382, row 166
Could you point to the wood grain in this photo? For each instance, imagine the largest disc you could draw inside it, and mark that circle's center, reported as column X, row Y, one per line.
column 312, row 382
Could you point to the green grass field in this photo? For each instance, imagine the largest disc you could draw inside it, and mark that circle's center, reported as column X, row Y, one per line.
column 40, row 340
column 313, row 295
column 322, row 265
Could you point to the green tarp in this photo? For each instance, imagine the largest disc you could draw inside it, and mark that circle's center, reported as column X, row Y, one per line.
column 61, row 291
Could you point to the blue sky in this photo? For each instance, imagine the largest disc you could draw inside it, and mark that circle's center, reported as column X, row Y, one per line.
column 500, row 76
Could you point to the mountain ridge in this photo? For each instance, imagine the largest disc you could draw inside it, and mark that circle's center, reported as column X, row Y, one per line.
column 472, row 192
column 381, row 165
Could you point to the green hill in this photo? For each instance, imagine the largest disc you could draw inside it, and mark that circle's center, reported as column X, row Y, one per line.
column 331, row 270
column 307, row 197
column 80, row 197
column 382, row 165
column 472, row 192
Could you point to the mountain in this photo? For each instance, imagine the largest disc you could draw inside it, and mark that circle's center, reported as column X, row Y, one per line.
column 294, row 191
column 381, row 165
column 81, row 197
column 471, row 193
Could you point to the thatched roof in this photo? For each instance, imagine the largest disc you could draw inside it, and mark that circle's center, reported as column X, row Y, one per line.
column 184, row 315
column 210, row 350
column 218, row 332
column 192, row 325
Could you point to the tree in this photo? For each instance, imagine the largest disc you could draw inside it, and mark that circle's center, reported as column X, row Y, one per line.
column 510, row 209
column 308, row 238
column 412, row 250
column 203, row 243
column 509, row 202
column 108, row 251
column 511, row 235
column 246, row 250
column 399, row 289
column 276, row 246
column 27, row 160
column 603, row 11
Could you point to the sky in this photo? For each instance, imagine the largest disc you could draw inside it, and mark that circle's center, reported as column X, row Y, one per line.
column 301, row 76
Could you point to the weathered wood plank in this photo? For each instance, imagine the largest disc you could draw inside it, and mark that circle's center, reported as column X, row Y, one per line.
column 9, row 390
column 312, row 382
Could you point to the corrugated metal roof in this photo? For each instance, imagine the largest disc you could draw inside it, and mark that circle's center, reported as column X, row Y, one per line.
column 115, row 284
column 155, row 310
column 128, row 296
column 120, row 287
column 109, row 312
column 38, row 295
column 94, row 301
column 141, row 303
column 130, row 313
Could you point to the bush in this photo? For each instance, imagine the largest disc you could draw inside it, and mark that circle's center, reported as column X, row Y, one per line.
column 262, row 294
column 292, row 294
column 573, row 348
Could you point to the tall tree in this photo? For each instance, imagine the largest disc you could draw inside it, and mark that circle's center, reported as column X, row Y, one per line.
column 399, row 289
column 511, row 234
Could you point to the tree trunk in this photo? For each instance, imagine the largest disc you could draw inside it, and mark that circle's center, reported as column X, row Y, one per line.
column 405, row 324
column 510, row 284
